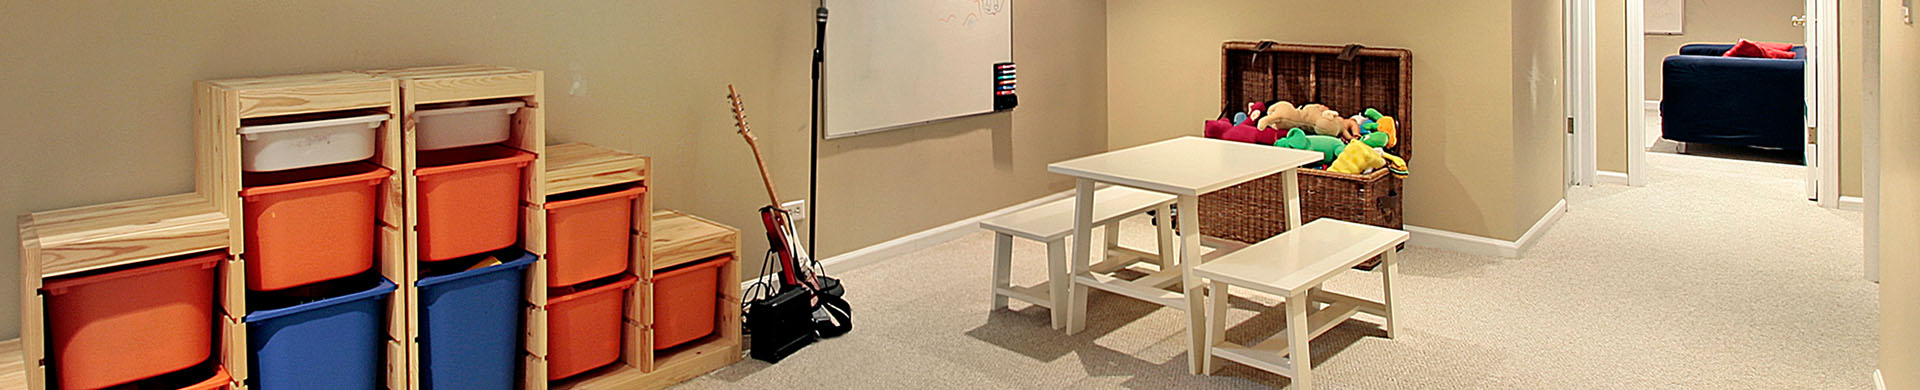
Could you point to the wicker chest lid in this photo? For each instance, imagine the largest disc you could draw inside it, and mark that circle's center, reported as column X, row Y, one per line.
column 1344, row 78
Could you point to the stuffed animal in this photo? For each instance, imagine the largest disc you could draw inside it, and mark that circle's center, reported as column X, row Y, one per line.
column 1387, row 125
column 1282, row 115
column 1329, row 147
column 1321, row 120
column 1216, row 127
column 1395, row 165
column 1239, row 118
column 1249, row 134
column 1357, row 158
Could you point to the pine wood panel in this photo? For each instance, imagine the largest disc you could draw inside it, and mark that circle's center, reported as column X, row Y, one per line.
column 94, row 237
column 578, row 166
column 256, row 97
column 13, row 370
column 679, row 238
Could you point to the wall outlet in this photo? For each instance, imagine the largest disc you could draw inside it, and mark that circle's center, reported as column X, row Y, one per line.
column 796, row 210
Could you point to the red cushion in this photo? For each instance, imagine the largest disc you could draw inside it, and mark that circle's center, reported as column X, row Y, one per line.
column 1751, row 49
column 1747, row 49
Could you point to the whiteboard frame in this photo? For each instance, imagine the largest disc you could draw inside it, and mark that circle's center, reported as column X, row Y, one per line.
column 823, row 130
column 825, row 75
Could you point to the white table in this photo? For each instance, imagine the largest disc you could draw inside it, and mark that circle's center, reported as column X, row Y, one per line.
column 1185, row 167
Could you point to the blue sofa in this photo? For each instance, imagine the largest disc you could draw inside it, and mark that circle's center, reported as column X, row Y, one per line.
column 1734, row 101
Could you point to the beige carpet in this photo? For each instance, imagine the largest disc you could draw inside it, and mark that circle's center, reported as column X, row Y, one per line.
column 1718, row 275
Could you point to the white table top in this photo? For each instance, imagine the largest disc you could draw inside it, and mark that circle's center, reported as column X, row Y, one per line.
column 1186, row 165
column 1303, row 257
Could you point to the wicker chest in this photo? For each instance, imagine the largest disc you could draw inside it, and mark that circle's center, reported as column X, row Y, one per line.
column 1344, row 78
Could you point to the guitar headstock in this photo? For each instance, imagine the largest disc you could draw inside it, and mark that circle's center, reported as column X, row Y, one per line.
column 739, row 111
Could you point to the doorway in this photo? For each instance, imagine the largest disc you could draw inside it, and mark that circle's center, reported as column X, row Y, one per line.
column 1820, row 80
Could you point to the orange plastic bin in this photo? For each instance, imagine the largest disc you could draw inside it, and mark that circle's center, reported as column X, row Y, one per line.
column 583, row 328
column 311, row 225
column 589, row 235
column 469, row 200
column 123, row 326
column 685, row 302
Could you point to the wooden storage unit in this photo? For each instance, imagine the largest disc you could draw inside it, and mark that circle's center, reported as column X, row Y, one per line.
column 76, row 240
column 221, row 107
column 677, row 238
column 461, row 83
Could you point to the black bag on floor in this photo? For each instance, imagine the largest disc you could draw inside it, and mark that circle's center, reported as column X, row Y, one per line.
column 781, row 324
column 832, row 315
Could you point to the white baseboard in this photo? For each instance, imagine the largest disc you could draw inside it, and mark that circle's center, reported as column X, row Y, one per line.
column 1853, row 203
column 1610, row 177
column 913, row 242
column 1477, row 245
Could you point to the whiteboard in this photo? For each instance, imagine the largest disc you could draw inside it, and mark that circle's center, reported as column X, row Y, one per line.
column 1665, row 17
column 896, row 63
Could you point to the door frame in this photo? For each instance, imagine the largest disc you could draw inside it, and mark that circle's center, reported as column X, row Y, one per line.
column 1582, row 93
column 1827, row 117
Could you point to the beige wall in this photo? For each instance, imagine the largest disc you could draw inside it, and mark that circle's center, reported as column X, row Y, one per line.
column 98, row 102
column 1539, row 109
column 1164, row 79
column 1610, row 81
column 1724, row 21
column 1899, row 187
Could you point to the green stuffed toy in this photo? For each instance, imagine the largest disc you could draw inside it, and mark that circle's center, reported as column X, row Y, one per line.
column 1328, row 146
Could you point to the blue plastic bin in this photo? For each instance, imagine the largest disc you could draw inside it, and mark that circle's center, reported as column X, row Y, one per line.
column 332, row 343
column 470, row 327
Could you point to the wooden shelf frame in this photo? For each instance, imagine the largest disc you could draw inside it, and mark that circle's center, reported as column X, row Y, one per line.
column 576, row 167
column 221, row 108
column 685, row 238
column 81, row 239
column 457, row 83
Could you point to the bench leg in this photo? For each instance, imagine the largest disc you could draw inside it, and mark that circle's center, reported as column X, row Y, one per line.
column 1389, row 269
column 1298, row 336
column 1058, row 281
column 1002, row 268
column 1112, row 235
column 1217, row 327
column 1164, row 226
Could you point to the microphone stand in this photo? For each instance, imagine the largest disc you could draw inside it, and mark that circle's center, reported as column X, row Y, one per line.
column 813, row 168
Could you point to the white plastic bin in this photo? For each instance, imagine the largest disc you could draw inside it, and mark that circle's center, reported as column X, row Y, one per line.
column 453, row 127
column 303, row 141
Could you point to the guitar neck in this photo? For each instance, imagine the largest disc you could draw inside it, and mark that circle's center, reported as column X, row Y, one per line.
column 765, row 177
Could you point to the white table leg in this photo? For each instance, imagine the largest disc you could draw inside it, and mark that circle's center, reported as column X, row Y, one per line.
column 1002, row 272
column 1164, row 225
column 1389, row 269
column 1298, row 335
column 1190, row 286
column 1291, row 184
column 1082, row 248
column 1217, row 324
column 1058, row 281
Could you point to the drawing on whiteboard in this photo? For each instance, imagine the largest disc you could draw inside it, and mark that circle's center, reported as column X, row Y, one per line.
column 978, row 9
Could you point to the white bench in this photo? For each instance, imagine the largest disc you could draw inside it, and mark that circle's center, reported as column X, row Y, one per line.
column 1052, row 223
column 1293, row 265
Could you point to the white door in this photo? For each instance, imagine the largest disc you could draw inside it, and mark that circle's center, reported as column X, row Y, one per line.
column 1810, row 24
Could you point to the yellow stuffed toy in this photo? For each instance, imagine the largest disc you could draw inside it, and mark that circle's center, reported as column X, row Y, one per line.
column 1357, row 158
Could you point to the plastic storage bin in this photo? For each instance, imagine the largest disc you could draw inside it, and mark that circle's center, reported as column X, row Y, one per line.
column 583, row 328
column 589, row 237
column 465, row 125
column 469, row 200
column 300, row 141
column 331, row 343
column 302, row 230
column 127, row 325
column 470, row 327
column 217, row 382
column 684, row 302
